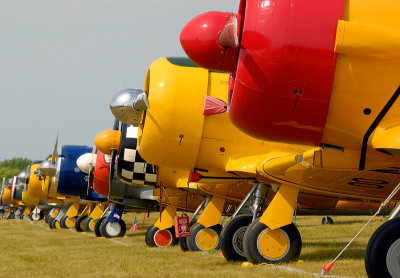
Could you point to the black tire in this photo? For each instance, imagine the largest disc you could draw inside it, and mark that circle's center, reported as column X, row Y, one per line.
column 50, row 222
column 53, row 223
column 182, row 241
column 36, row 217
column 327, row 220
column 97, row 226
column 57, row 227
column 195, row 229
column 175, row 240
column 79, row 223
column 152, row 232
column 385, row 238
column 183, row 245
column 46, row 219
column 87, row 224
column 232, row 236
column 120, row 230
column 254, row 256
column 62, row 222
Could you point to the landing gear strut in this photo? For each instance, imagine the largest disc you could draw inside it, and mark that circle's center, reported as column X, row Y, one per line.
column 232, row 235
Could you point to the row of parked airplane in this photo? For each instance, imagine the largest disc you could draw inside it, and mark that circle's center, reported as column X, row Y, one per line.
column 281, row 106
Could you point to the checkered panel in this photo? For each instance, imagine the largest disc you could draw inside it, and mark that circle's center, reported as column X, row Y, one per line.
column 131, row 167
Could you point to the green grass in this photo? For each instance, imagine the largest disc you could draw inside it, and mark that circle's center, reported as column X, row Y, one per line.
column 31, row 249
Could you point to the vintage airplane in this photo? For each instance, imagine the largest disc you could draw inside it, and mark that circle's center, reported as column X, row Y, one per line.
column 11, row 197
column 190, row 131
column 320, row 73
column 57, row 183
column 135, row 172
column 120, row 196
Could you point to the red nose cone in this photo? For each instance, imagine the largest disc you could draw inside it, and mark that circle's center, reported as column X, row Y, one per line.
column 199, row 39
column 101, row 172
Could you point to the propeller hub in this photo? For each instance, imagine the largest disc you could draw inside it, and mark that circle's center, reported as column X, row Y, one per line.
column 86, row 161
column 6, row 198
column 20, row 187
column 128, row 106
column 108, row 140
column 23, row 176
column 210, row 40
column 47, row 168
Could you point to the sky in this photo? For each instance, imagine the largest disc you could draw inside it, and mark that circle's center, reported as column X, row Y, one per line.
column 62, row 61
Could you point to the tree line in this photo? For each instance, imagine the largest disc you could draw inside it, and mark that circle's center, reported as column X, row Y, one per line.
column 14, row 166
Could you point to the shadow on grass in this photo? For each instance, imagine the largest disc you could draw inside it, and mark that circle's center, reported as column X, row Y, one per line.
column 332, row 244
column 335, row 223
column 135, row 233
column 347, row 222
column 324, row 255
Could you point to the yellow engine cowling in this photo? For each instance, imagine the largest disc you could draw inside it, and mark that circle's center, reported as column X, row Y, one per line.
column 35, row 184
column 48, row 188
column 29, row 199
column 6, row 198
column 170, row 131
column 174, row 133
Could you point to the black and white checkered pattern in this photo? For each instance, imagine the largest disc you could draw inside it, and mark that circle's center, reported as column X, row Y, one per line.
column 131, row 167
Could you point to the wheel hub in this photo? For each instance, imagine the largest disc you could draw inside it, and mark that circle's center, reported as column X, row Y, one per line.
column 35, row 216
column 70, row 222
column 113, row 229
column 237, row 240
column 163, row 238
column 393, row 259
column 58, row 225
column 273, row 245
column 92, row 224
column 207, row 239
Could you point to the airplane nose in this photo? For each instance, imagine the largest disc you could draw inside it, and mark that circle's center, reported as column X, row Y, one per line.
column 108, row 140
column 85, row 161
column 201, row 41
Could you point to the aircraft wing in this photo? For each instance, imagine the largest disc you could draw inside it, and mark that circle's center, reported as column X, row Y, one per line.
column 305, row 170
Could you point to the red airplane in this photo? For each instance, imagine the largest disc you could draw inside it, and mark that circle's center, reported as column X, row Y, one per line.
column 324, row 73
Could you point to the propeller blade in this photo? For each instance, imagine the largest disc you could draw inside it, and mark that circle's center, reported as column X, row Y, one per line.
column 116, row 124
column 229, row 36
column 113, row 155
column 55, row 152
column 2, row 190
column 91, row 171
column 48, row 188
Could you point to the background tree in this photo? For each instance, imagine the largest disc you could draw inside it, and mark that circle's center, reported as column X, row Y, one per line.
column 14, row 166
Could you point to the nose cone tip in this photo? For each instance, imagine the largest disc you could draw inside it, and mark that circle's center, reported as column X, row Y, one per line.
column 199, row 40
column 23, row 176
column 47, row 168
column 85, row 161
column 108, row 140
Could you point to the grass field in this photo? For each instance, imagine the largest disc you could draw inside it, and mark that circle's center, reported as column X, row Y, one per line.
column 30, row 249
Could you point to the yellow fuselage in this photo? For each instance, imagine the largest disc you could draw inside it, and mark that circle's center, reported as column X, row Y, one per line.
column 174, row 133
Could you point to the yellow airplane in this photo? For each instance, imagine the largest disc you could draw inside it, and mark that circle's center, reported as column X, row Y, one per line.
column 321, row 73
column 190, row 131
column 134, row 171
column 11, row 197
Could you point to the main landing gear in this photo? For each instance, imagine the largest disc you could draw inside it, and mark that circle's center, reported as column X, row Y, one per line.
column 232, row 235
column 161, row 238
column 204, row 239
column 382, row 256
column 248, row 237
column 205, row 227
column 102, row 227
column 263, row 245
column 36, row 214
